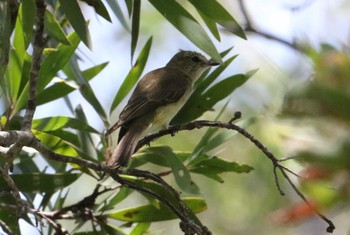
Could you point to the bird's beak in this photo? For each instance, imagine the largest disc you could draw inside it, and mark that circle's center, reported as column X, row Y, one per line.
column 213, row 63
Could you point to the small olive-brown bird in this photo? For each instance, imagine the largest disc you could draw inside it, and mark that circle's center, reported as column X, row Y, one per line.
column 158, row 96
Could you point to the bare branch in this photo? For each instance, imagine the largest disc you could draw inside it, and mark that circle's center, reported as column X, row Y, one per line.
column 38, row 47
column 252, row 29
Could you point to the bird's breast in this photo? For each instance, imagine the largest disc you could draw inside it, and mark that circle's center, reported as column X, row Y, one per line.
column 165, row 113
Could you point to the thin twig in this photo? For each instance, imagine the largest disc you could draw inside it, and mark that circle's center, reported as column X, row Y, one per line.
column 250, row 28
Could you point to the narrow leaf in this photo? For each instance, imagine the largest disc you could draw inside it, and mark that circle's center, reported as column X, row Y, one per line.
column 99, row 8
column 54, row 29
column 61, row 88
column 133, row 75
column 165, row 156
column 135, row 27
column 187, row 25
column 39, row 182
column 55, row 143
column 114, row 5
column 150, row 213
column 59, row 122
column 29, row 12
column 215, row 11
column 72, row 10
column 49, row 68
column 212, row 167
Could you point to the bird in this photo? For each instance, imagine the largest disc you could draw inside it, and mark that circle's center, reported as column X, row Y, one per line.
column 156, row 99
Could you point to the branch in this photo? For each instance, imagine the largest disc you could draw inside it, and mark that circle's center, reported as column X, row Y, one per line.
column 38, row 47
column 31, row 141
column 230, row 126
column 250, row 28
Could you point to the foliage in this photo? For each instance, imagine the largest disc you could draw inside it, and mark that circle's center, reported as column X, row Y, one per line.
column 47, row 188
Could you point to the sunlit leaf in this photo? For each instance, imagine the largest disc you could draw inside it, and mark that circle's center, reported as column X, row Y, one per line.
column 72, row 10
column 140, row 228
column 49, row 67
column 55, row 143
column 59, row 122
column 40, row 182
column 150, row 213
column 133, row 75
column 187, row 25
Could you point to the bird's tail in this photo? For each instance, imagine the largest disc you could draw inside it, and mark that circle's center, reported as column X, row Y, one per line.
column 125, row 148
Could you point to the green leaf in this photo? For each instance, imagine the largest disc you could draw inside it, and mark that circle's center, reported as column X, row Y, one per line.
column 187, row 25
column 86, row 142
column 150, row 213
column 16, row 59
column 28, row 13
column 133, row 75
column 212, row 167
column 114, row 5
column 54, row 29
column 72, row 10
column 49, row 68
column 135, row 27
column 55, row 143
column 211, row 24
column 59, row 122
column 99, row 8
column 120, row 196
column 213, row 10
column 223, row 89
column 62, row 87
column 40, row 182
column 164, row 156
column 85, row 89
column 140, row 228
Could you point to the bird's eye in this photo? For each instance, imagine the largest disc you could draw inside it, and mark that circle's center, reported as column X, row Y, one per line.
column 195, row 59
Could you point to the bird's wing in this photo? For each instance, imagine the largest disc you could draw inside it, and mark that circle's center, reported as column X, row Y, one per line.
column 171, row 86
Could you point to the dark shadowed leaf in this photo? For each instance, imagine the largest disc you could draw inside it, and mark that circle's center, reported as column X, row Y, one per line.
column 133, row 75
column 114, row 5
column 164, row 156
column 62, row 87
column 150, row 213
column 72, row 10
column 39, row 182
column 212, row 167
column 187, row 25
column 216, row 12
column 135, row 26
column 99, row 8
column 29, row 11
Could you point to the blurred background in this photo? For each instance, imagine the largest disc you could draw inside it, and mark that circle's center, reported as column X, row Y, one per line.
column 297, row 104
